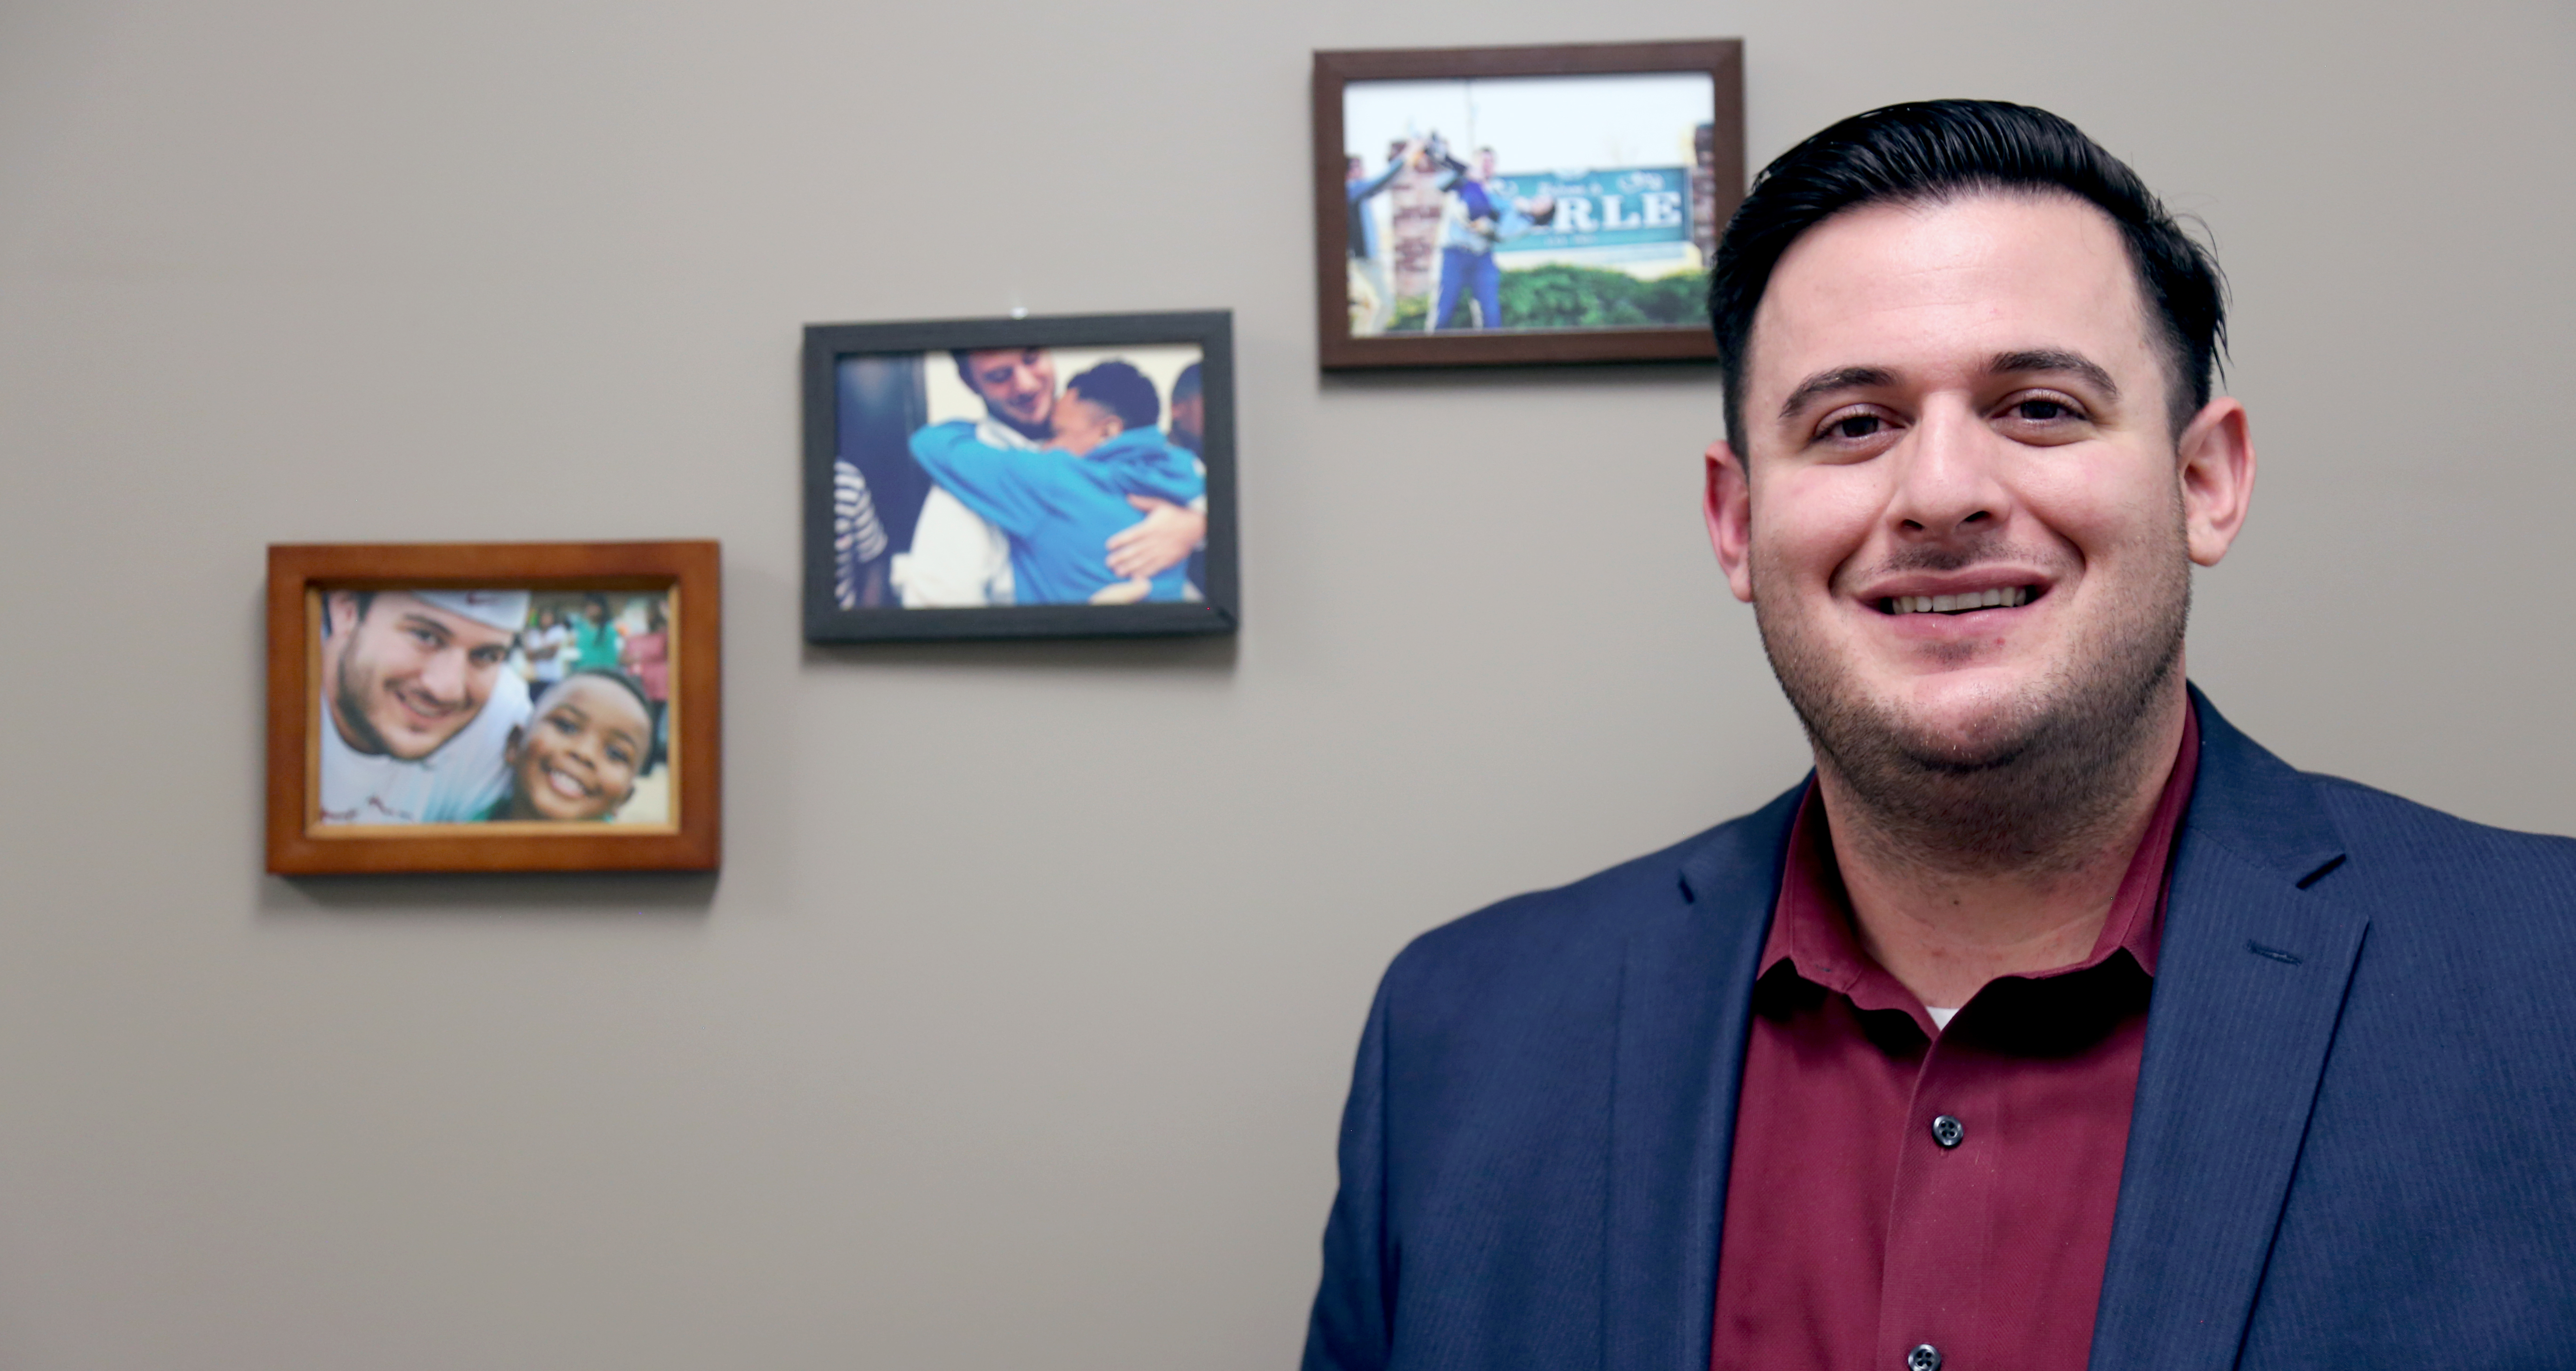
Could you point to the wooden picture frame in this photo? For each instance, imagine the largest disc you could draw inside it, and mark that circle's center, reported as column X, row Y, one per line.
column 303, row 580
column 1716, row 180
column 872, row 390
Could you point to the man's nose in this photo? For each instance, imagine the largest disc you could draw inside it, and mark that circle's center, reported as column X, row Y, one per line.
column 444, row 676
column 1946, row 479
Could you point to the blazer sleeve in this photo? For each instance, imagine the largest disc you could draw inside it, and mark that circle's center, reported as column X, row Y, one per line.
column 1351, row 1328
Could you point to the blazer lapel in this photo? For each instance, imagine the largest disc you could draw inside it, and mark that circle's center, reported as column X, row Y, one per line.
column 2250, row 979
column 1685, row 998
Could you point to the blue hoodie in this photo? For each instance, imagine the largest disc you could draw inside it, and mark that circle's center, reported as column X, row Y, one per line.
column 1058, row 509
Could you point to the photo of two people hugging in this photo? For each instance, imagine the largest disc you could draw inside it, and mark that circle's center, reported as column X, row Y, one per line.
column 1020, row 476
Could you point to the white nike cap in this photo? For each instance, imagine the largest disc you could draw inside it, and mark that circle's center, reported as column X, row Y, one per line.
column 507, row 609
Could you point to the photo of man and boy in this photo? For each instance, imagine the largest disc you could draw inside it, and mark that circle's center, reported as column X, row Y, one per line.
column 1605, row 218
column 493, row 706
column 1020, row 476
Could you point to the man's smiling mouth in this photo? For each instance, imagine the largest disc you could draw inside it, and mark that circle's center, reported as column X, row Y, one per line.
column 1965, row 602
column 428, row 707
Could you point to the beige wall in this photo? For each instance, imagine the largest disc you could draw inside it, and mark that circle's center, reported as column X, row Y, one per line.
column 1014, row 1030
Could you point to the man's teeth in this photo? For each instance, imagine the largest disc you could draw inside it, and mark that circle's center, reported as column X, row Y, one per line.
column 2000, row 597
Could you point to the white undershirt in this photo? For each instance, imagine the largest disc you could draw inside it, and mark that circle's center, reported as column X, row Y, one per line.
column 1940, row 1017
column 957, row 560
column 452, row 785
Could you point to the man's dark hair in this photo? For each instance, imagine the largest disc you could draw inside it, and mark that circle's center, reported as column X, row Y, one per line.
column 1122, row 390
column 966, row 368
column 1935, row 150
column 1185, row 387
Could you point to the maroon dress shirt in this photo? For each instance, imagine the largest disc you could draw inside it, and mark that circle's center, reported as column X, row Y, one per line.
column 1902, row 1196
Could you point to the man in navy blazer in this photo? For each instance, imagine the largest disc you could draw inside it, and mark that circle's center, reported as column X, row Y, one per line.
column 2052, row 1022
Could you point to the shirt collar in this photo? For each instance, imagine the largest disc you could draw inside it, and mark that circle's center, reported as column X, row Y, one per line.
column 1811, row 926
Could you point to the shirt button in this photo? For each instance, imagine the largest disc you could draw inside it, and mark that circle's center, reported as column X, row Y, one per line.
column 1946, row 1131
column 1924, row 1358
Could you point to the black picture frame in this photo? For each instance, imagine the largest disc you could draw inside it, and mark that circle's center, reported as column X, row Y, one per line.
column 1722, row 166
column 829, row 620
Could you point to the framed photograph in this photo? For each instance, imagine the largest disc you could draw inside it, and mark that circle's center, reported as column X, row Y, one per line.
column 1510, row 206
column 1020, row 478
column 493, row 707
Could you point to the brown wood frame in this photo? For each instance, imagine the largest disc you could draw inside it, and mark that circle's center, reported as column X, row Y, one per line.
column 299, row 573
column 1721, row 58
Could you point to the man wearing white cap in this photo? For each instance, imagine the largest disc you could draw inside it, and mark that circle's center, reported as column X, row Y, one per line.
column 419, row 703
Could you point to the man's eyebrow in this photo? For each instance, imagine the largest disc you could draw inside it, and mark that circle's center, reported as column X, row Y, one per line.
column 2055, row 359
column 424, row 621
column 1825, row 382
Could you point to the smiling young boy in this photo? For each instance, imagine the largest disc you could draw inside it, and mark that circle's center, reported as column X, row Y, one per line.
column 1060, row 506
column 578, row 755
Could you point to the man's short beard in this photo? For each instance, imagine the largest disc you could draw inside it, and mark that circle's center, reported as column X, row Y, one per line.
column 1039, row 432
column 350, row 708
column 2037, row 782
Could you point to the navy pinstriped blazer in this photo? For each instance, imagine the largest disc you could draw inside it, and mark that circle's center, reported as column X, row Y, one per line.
column 2354, row 1142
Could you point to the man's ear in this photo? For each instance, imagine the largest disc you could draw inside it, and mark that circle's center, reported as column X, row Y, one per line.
column 1728, row 507
column 2217, row 456
column 341, row 606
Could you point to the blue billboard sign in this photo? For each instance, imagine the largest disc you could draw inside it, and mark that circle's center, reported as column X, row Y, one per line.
column 1632, row 206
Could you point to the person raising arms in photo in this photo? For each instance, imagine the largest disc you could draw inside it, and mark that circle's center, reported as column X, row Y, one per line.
column 1475, row 221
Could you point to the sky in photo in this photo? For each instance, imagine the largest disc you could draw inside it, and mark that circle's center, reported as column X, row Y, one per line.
column 1536, row 123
